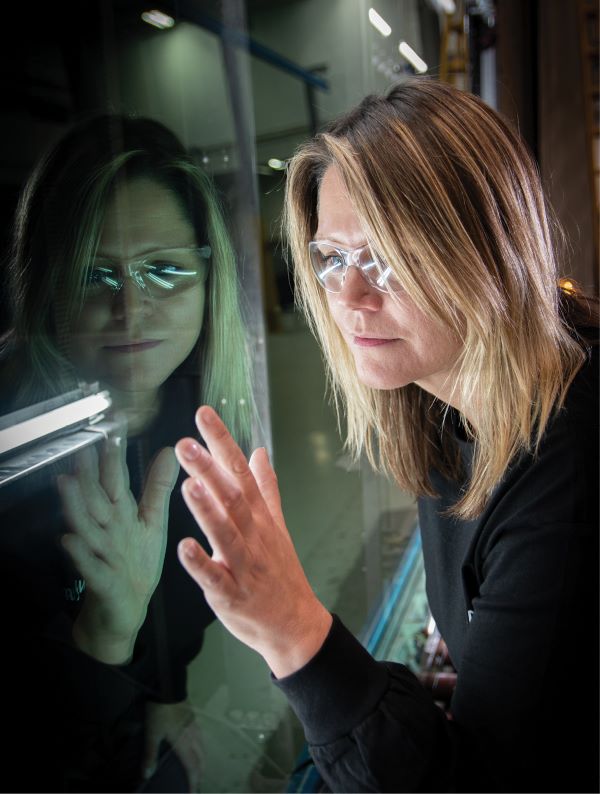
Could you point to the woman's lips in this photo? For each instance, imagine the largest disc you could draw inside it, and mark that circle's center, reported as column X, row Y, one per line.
column 366, row 341
column 133, row 347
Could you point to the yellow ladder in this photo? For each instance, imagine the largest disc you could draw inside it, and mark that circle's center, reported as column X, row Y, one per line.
column 454, row 48
column 588, row 30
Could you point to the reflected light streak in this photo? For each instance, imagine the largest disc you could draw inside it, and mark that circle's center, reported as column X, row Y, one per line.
column 158, row 19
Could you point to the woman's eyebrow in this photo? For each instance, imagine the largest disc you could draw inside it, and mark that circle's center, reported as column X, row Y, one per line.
column 335, row 241
column 145, row 252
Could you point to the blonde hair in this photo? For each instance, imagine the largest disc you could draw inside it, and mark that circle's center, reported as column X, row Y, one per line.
column 451, row 199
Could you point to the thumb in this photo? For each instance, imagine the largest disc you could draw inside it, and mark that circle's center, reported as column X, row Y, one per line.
column 160, row 480
column 266, row 479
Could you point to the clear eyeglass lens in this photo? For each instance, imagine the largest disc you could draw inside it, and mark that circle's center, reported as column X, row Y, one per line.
column 160, row 274
column 329, row 264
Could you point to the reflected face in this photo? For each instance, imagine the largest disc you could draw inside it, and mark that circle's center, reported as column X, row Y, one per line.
column 392, row 341
column 131, row 339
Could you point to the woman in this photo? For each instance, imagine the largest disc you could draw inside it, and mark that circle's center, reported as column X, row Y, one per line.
column 424, row 262
column 122, row 273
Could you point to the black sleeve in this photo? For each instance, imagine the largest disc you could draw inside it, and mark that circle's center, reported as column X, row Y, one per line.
column 370, row 725
column 525, row 706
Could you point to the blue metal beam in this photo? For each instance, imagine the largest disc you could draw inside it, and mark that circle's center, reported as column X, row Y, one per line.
column 240, row 39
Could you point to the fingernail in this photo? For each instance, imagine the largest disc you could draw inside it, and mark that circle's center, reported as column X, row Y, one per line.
column 197, row 489
column 191, row 450
column 189, row 550
column 207, row 417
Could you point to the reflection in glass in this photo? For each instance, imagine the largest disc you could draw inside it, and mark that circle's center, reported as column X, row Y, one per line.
column 121, row 273
column 161, row 274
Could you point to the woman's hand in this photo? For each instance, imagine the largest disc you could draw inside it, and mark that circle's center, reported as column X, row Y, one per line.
column 176, row 724
column 117, row 546
column 254, row 581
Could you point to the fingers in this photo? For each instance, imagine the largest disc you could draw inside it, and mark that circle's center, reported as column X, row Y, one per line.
column 221, row 444
column 87, row 544
column 211, row 576
column 93, row 569
column 223, row 534
column 87, row 462
column 114, row 475
column 161, row 478
column 97, row 502
column 78, row 518
column 226, row 452
column 266, row 480
column 233, row 498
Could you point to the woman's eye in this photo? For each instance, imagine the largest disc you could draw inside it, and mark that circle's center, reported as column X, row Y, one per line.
column 165, row 269
column 332, row 261
column 97, row 276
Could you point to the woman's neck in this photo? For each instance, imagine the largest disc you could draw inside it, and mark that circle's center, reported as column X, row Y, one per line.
column 444, row 386
column 139, row 408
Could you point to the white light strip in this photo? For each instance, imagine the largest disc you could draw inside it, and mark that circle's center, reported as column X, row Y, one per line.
column 53, row 421
column 158, row 19
column 412, row 57
column 379, row 22
column 276, row 164
column 447, row 6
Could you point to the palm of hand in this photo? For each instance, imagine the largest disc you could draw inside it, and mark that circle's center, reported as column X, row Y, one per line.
column 117, row 545
column 118, row 596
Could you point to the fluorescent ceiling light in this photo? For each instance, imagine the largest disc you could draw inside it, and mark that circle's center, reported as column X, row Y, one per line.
column 412, row 57
column 158, row 19
column 51, row 422
column 446, row 6
column 379, row 22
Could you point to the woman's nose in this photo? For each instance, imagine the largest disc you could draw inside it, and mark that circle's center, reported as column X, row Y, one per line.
column 357, row 293
column 131, row 301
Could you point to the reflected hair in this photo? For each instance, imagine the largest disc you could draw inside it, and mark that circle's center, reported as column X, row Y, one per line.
column 451, row 199
column 58, row 226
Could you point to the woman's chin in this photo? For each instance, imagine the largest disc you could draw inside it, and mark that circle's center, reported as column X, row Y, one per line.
column 127, row 386
column 382, row 381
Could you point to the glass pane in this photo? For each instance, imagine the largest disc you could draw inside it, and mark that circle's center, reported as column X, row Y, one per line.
column 131, row 296
column 145, row 273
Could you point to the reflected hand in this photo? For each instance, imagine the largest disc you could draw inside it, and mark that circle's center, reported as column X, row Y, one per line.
column 175, row 723
column 117, row 545
column 254, row 581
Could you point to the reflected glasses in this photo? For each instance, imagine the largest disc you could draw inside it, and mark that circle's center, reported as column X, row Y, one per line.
column 159, row 274
column 331, row 264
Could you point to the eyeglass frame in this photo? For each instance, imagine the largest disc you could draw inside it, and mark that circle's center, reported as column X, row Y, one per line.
column 346, row 253
column 134, row 273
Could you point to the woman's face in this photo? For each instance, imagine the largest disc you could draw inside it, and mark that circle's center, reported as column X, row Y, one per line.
column 392, row 341
column 129, row 339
